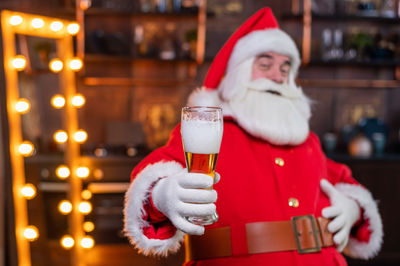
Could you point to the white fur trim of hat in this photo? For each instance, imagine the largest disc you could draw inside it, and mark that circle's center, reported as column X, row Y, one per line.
column 135, row 198
column 262, row 41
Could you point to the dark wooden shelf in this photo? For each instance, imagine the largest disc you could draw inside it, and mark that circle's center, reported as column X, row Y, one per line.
column 113, row 159
column 57, row 158
column 359, row 63
column 290, row 16
column 56, row 12
column 350, row 83
column 142, row 15
column 338, row 18
column 94, row 58
column 127, row 81
column 344, row 18
column 385, row 157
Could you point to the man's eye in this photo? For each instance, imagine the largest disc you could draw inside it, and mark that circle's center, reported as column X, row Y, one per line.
column 264, row 66
column 285, row 70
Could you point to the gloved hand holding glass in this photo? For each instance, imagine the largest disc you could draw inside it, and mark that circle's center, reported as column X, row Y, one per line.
column 187, row 197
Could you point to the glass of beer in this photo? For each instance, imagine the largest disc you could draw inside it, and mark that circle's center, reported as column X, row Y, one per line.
column 201, row 129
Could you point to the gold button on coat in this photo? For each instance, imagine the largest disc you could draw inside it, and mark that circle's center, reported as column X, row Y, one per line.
column 279, row 161
column 293, row 202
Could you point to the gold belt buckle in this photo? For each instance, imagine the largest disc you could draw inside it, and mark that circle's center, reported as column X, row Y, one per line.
column 315, row 233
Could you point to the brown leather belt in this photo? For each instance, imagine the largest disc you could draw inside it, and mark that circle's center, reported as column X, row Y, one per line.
column 306, row 234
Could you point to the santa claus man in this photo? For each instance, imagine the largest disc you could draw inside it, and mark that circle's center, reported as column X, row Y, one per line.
column 280, row 200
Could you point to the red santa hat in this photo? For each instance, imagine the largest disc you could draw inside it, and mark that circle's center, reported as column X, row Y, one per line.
column 259, row 34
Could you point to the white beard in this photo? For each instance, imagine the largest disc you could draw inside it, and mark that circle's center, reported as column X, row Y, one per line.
column 280, row 119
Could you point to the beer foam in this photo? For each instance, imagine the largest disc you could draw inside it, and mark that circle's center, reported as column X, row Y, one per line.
column 203, row 137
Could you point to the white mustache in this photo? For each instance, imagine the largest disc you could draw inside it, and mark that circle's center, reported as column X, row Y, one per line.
column 266, row 85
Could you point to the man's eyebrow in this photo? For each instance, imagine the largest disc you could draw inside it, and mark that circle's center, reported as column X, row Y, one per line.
column 264, row 55
column 287, row 62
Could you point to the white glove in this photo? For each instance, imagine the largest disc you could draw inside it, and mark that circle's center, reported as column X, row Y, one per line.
column 184, row 194
column 344, row 211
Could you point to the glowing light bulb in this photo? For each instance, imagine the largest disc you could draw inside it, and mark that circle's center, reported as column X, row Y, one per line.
column 73, row 28
column 37, row 23
column 78, row 100
column 28, row 191
column 98, row 174
column 80, row 136
column 82, row 172
column 85, row 207
column 60, row 136
column 26, row 148
column 16, row 20
column 76, row 64
column 88, row 226
column 31, row 233
column 56, row 65
column 56, row 26
column 87, row 242
column 65, row 207
column 62, row 172
column 58, row 101
column 85, row 4
column 22, row 106
column 19, row 62
column 86, row 194
column 67, row 242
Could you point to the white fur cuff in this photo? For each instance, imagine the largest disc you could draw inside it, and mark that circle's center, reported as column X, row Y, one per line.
column 356, row 248
column 135, row 198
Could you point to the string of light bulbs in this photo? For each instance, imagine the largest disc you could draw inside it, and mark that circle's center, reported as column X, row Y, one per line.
column 27, row 24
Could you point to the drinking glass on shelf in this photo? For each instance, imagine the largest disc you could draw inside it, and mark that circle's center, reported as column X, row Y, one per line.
column 338, row 44
column 201, row 129
column 326, row 47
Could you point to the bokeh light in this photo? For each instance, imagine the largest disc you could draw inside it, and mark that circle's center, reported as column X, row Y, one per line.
column 56, row 65
column 28, row 191
column 63, row 172
column 60, row 136
column 67, row 242
column 85, row 207
column 31, row 233
column 58, row 101
column 65, row 206
column 73, row 28
column 22, row 106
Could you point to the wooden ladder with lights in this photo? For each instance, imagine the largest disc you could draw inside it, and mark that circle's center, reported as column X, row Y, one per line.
column 62, row 31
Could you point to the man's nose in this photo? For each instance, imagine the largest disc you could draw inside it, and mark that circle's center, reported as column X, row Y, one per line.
column 276, row 75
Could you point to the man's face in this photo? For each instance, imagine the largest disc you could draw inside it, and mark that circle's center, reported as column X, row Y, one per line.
column 262, row 98
column 272, row 66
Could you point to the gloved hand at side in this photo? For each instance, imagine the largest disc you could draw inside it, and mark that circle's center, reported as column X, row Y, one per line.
column 343, row 210
column 182, row 195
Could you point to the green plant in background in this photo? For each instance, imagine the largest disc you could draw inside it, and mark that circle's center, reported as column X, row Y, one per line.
column 361, row 41
column 191, row 35
column 189, row 46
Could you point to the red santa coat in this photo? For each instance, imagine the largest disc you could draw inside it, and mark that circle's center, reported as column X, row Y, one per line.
column 257, row 181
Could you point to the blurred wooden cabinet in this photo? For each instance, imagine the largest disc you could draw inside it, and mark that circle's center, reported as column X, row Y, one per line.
column 140, row 63
column 360, row 37
column 350, row 52
column 140, row 42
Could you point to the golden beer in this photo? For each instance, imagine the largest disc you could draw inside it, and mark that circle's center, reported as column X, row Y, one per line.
column 201, row 131
column 201, row 163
